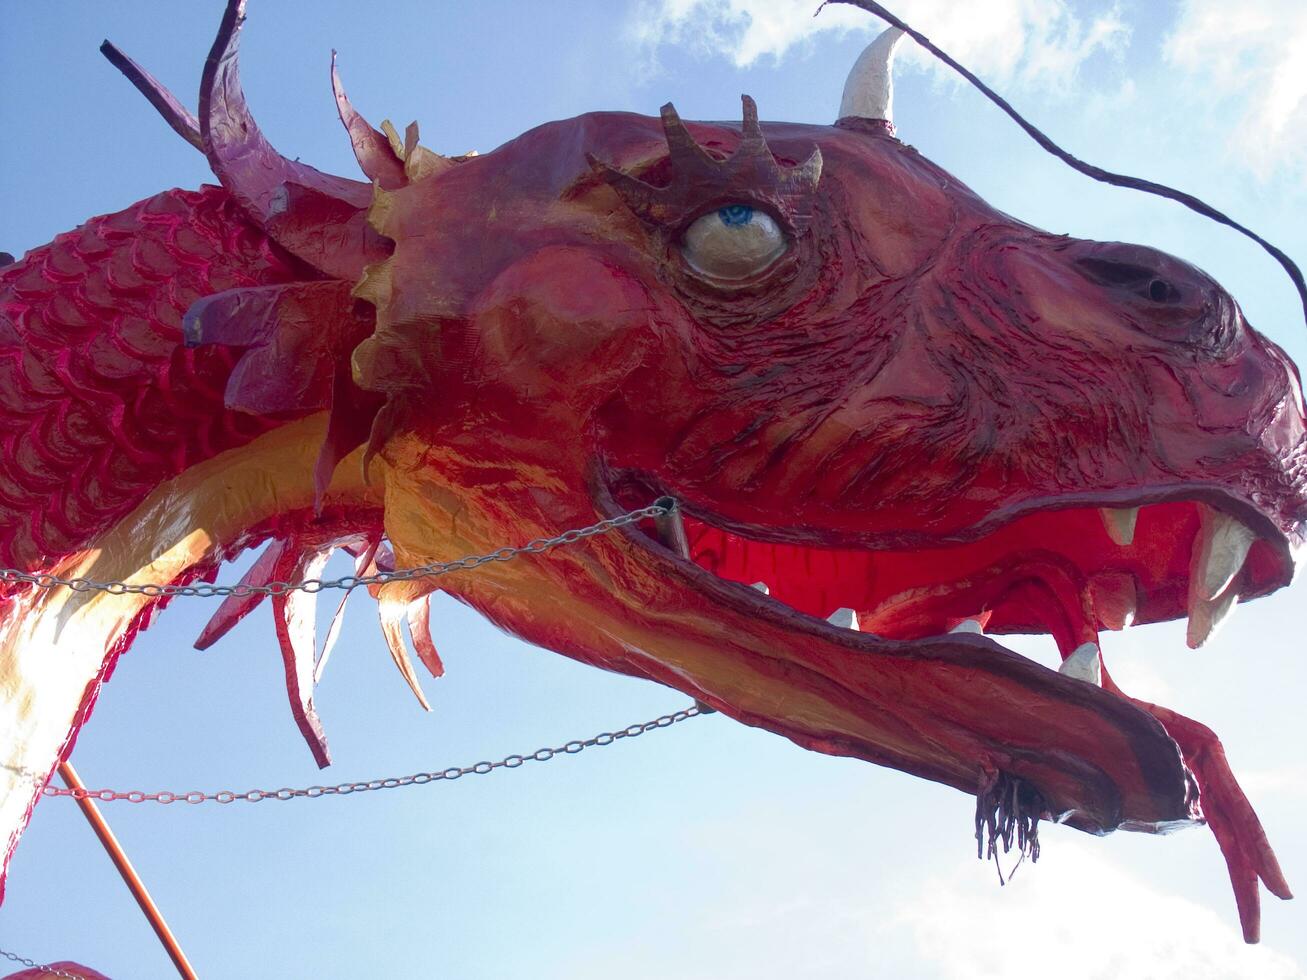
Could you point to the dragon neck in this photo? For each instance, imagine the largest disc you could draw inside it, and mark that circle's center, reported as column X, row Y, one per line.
column 57, row 646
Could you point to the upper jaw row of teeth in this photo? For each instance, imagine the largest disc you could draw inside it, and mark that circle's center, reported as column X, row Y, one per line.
column 1218, row 556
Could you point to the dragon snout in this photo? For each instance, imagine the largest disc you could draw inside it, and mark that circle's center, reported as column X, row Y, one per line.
column 1142, row 273
column 1160, row 295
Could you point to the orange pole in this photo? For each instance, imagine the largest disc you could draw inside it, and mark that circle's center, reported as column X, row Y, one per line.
column 129, row 875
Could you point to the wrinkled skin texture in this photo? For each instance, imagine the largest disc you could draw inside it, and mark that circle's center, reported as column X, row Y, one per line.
column 915, row 413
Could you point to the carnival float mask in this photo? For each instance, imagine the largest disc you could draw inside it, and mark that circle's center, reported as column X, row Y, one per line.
column 896, row 424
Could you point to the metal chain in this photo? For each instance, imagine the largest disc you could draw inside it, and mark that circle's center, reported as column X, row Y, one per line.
column 393, row 782
column 43, row 967
column 45, row 580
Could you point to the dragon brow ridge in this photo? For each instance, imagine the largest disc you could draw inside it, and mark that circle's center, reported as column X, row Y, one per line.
column 751, row 172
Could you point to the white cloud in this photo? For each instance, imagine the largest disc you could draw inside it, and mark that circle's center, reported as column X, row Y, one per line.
column 1036, row 42
column 1246, row 64
column 1076, row 917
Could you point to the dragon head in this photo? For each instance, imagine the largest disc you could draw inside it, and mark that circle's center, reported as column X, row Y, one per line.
column 896, row 425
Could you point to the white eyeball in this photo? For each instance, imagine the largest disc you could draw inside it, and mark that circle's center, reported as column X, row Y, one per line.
column 734, row 242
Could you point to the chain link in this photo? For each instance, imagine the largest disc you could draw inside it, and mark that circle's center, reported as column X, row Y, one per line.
column 392, row 782
column 43, row 967
column 45, row 580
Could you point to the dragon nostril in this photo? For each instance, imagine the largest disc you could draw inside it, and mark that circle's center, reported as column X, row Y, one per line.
column 1159, row 290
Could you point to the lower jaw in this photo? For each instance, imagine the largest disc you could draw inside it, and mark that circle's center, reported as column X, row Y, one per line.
column 949, row 708
column 1001, row 724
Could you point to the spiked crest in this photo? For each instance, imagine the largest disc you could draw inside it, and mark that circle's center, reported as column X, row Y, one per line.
column 700, row 181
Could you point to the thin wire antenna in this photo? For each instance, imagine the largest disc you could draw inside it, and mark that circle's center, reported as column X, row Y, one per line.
column 1088, row 169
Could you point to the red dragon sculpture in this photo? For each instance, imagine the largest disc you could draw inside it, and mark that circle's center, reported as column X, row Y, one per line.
column 897, row 425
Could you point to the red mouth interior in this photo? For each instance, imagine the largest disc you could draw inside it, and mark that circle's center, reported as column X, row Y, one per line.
column 1053, row 571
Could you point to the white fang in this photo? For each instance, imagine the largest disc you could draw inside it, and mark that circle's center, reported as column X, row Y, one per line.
column 1219, row 555
column 845, row 618
column 1084, row 664
column 1120, row 523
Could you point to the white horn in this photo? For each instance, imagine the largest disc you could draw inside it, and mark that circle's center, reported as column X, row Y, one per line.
column 869, row 92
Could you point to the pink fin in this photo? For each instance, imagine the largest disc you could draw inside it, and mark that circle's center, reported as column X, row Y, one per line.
column 419, row 627
column 234, row 608
column 295, row 338
column 392, row 615
column 362, row 559
column 293, row 615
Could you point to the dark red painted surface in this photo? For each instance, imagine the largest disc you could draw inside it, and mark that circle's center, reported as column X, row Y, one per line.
column 915, row 412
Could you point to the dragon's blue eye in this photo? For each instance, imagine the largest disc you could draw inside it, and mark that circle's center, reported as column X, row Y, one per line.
column 735, row 214
column 737, row 241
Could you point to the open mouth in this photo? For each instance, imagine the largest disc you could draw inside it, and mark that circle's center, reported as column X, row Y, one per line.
column 1066, row 569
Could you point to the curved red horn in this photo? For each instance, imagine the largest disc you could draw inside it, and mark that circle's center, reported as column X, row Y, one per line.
column 271, row 188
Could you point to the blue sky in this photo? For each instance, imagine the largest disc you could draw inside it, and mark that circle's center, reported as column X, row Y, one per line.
column 709, row 850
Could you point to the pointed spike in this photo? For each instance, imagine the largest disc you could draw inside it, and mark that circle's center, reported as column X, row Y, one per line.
column 240, row 156
column 392, row 136
column 234, row 608
column 357, row 546
column 680, row 144
column 175, row 114
column 1219, row 553
column 393, row 612
column 674, row 130
column 419, row 627
column 844, row 617
column 345, row 433
column 385, row 560
column 1120, row 524
column 1084, row 663
column 329, row 644
column 1206, row 616
column 1115, row 599
column 970, row 624
column 869, row 90
column 750, row 128
column 805, row 174
column 423, row 163
column 293, row 616
column 371, row 148
column 248, row 166
column 362, row 563
column 644, row 199
column 383, row 424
